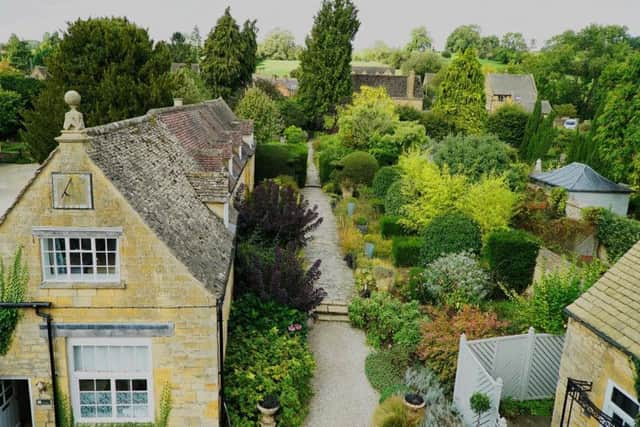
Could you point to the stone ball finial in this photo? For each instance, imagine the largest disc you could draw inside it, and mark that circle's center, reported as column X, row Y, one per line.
column 72, row 99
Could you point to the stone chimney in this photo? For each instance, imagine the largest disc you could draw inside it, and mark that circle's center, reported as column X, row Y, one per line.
column 177, row 102
column 73, row 130
column 411, row 84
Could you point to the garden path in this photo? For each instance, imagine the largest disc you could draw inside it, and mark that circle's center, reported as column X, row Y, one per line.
column 343, row 396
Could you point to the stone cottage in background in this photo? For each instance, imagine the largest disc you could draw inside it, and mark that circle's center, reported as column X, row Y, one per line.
column 597, row 385
column 404, row 90
column 520, row 89
column 127, row 231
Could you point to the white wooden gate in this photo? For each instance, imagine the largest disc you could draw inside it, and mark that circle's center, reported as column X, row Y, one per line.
column 523, row 367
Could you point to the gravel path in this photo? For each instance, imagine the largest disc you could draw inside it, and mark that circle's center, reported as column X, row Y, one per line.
column 336, row 277
column 343, row 396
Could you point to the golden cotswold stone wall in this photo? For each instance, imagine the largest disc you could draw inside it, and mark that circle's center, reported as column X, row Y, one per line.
column 588, row 357
column 155, row 288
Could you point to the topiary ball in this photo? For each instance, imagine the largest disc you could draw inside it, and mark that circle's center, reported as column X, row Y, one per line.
column 359, row 167
column 453, row 232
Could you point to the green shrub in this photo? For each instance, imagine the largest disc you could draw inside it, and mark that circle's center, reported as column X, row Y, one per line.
column 406, row 251
column 330, row 151
column 544, row 310
column 263, row 358
column 512, row 408
column 617, row 233
column 385, row 368
column 398, row 389
column 391, row 227
column 383, row 179
column 387, row 320
column 407, row 113
column 295, row 135
column 450, row 233
column 508, row 124
column 359, row 167
column 511, row 255
column 257, row 106
column 275, row 159
column 10, row 104
column 394, row 200
column 453, row 280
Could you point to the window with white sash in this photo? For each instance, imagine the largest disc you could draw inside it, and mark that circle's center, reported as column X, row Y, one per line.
column 111, row 380
column 79, row 256
column 620, row 406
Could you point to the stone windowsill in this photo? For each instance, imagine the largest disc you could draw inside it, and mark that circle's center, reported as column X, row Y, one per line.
column 83, row 285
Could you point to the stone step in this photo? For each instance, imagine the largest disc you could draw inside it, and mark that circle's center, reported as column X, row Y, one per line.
column 332, row 307
column 330, row 317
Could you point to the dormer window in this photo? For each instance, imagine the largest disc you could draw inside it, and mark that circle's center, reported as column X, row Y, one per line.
column 72, row 256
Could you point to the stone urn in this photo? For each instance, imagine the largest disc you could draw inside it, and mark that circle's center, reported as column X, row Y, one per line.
column 415, row 404
column 268, row 408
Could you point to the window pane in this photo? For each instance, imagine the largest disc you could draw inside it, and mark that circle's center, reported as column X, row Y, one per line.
column 111, row 244
column 48, row 244
column 123, row 385
column 111, row 259
column 139, row 385
column 123, row 398
column 60, row 244
column 126, row 354
column 624, row 403
column 88, row 411
column 87, row 398
column 104, row 411
column 87, row 385
column 102, row 358
column 77, row 358
column 140, row 397
column 103, row 398
column 74, row 244
column 140, row 411
column 103, row 385
column 87, row 258
column 118, row 360
column 123, row 411
column 101, row 259
column 100, row 245
column 88, row 358
column 86, row 244
column 142, row 359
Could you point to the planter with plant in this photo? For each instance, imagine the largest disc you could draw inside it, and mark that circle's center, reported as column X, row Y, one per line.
column 362, row 224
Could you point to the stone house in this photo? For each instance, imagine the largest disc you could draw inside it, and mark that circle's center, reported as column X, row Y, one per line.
column 502, row 88
column 287, row 86
column 585, row 188
column 597, row 375
column 127, row 232
column 404, row 90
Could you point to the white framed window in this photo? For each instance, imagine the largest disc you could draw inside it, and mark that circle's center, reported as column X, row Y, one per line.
column 111, row 380
column 79, row 256
column 619, row 405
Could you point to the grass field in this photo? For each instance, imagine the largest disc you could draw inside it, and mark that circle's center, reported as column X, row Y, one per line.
column 271, row 67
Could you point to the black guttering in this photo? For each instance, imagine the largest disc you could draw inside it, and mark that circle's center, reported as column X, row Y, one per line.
column 38, row 306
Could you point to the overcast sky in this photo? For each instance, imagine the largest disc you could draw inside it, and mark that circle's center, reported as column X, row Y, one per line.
column 389, row 20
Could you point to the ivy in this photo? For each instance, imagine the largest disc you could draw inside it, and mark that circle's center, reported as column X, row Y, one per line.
column 13, row 283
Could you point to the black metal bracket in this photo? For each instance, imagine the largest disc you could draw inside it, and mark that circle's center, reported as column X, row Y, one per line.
column 577, row 391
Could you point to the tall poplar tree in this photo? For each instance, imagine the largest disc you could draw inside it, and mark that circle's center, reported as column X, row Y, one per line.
column 461, row 94
column 229, row 56
column 325, row 63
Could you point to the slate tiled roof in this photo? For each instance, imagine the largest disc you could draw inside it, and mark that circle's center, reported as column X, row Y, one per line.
column 579, row 178
column 212, row 135
column 396, row 85
column 520, row 87
column 158, row 177
column 611, row 308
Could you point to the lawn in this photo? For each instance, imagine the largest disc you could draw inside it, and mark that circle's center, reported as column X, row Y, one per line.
column 272, row 67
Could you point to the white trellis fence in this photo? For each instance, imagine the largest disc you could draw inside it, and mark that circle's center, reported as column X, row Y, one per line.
column 523, row 367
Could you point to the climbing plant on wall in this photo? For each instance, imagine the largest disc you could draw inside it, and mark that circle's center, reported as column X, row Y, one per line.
column 13, row 283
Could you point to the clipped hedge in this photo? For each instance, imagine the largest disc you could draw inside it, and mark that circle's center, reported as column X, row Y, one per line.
column 390, row 227
column 406, row 251
column 511, row 255
column 330, row 151
column 453, row 232
column 359, row 167
column 275, row 159
column 383, row 179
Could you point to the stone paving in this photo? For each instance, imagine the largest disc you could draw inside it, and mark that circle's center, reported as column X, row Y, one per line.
column 336, row 278
column 343, row 396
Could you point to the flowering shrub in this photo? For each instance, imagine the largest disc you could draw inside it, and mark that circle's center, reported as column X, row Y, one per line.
column 454, row 280
column 277, row 214
column 440, row 337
